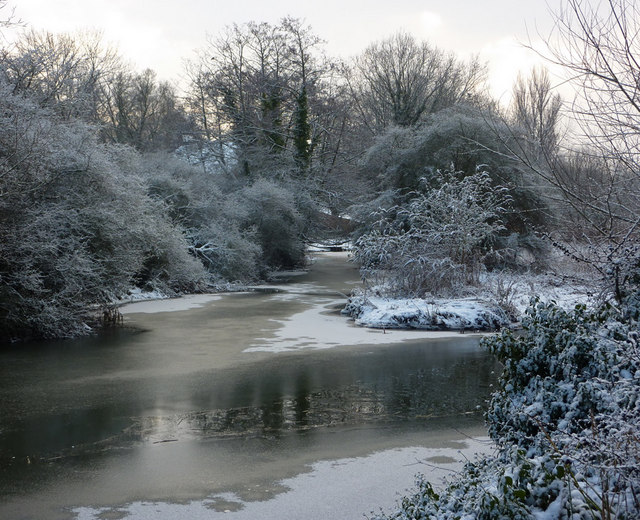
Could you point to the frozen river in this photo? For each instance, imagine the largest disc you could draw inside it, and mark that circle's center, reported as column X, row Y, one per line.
column 265, row 404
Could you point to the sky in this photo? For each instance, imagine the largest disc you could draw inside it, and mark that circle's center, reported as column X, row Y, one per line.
column 161, row 34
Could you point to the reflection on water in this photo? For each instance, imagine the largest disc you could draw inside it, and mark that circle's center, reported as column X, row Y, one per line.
column 405, row 383
column 85, row 409
column 366, row 391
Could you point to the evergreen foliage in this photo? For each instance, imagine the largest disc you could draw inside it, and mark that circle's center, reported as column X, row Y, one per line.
column 565, row 420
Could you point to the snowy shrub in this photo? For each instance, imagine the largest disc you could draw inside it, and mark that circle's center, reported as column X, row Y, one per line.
column 227, row 252
column 270, row 211
column 565, row 420
column 461, row 138
column 436, row 241
column 571, row 388
column 385, row 159
column 416, row 313
column 236, row 230
column 197, row 202
column 77, row 228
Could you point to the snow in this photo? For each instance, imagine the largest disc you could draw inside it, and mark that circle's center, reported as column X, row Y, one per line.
column 553, row 511
column 136, row 295
column 320, row 327
column 338, row 489
column 165, row 304
column 566, row 291
column 487, row 309
column 330, row 245
column 431, row 314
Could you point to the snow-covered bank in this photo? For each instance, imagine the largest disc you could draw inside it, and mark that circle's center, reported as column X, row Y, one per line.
column 517, row 290
column 432, row 314
column 499, row 302
column 166, row 304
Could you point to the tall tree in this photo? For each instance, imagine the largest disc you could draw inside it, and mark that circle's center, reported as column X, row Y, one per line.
column 598, row 179
column 256, row 88
column 399, row 80
column 63, row 72
column 143, row 112
column 536, row 109
column 9, row 18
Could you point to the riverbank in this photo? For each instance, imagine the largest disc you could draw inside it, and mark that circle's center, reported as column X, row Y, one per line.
column 499, row 301
column 434, row 314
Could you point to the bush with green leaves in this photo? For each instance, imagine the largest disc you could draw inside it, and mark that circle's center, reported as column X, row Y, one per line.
column 565, row 420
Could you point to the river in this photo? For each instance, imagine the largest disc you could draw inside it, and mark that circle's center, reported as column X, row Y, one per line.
column 262, row 404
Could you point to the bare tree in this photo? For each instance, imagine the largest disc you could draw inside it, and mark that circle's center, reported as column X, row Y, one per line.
column 536, row 110
column 399, row 80
column 10, row 18
column 141, row 111
column 264, row 95
column 63, row 72
column 598, row 174
column 600, row 48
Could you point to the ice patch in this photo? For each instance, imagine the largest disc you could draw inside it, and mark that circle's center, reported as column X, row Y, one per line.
column 183, row 303
column 337, row 489
column 320, row 327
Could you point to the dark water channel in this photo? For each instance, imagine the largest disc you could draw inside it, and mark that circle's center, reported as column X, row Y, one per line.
column 191, row 402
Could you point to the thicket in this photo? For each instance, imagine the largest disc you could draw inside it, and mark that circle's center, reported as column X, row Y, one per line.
column 565, row 418
column 453, row 200
column 455, row 204
column 434, row 243
column 96, row 198
column 83, row 222
column 77, row 229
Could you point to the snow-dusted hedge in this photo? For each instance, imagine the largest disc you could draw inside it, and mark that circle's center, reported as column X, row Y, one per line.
column 565, row 420
column 77, row 227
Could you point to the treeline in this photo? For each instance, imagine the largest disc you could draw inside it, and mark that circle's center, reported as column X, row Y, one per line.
column 112, row 179
column 97, row 195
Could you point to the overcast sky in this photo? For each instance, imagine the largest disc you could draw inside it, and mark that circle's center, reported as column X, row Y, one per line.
column 160, row 34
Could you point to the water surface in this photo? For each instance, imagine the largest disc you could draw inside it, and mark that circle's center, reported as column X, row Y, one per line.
column 232, row 395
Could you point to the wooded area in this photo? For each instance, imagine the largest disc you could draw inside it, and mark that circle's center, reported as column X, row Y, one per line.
column 112, row 179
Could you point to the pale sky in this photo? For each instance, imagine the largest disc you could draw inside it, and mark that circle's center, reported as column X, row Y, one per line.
column 161, row 34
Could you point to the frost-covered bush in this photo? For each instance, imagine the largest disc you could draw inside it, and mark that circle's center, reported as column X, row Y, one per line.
column 435, row 242
column 199, row 202
column 77, row 228
column 227, row 252
column 462, row 138
column 565, row 420
column 237, row 230
column 270, row 211
column 571, row 389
